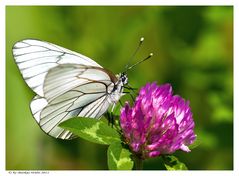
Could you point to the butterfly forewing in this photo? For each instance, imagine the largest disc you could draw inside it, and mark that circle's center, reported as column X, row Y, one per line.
column 35, row 58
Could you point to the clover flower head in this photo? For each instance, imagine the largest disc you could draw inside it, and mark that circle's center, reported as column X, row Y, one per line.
column 158, row 123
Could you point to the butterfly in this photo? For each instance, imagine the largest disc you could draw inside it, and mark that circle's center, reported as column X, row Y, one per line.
column 67, row 84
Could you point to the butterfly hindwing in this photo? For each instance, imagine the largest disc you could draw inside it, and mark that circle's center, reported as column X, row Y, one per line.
column 68, row 76
column 70, row 91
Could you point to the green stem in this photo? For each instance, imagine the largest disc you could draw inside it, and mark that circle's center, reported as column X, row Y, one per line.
column 138, row 163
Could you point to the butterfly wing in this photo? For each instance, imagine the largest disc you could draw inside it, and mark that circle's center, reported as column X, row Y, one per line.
column 63, row 89
column 35, row 58
column 72, row 90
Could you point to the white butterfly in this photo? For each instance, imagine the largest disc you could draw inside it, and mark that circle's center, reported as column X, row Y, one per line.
column 67, row 84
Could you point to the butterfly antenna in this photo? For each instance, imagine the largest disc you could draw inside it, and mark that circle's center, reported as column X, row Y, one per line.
column 137, row 49
column 132, row 66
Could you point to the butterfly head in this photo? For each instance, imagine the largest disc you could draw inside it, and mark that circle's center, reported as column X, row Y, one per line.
column 124, row 78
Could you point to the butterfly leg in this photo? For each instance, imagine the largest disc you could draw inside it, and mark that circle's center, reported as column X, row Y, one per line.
column 110, row 118
column 128, row 86
column 130, row 96
column 121, row 104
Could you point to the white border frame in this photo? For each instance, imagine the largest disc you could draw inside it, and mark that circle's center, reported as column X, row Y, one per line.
column 3, row 4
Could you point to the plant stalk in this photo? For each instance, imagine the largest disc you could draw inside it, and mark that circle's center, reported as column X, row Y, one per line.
column 138, row 163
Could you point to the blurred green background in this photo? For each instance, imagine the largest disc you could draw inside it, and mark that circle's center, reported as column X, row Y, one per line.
column 193, row 50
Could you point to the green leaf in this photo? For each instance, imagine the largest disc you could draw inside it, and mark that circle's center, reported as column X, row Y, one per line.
column 172, row 163
column 92, row 130
column 119, row 157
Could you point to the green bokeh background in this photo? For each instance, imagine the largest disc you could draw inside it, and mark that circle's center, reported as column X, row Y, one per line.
column 193, row 50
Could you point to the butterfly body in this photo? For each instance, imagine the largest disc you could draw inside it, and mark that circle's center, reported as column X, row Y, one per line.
column 67, row 84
